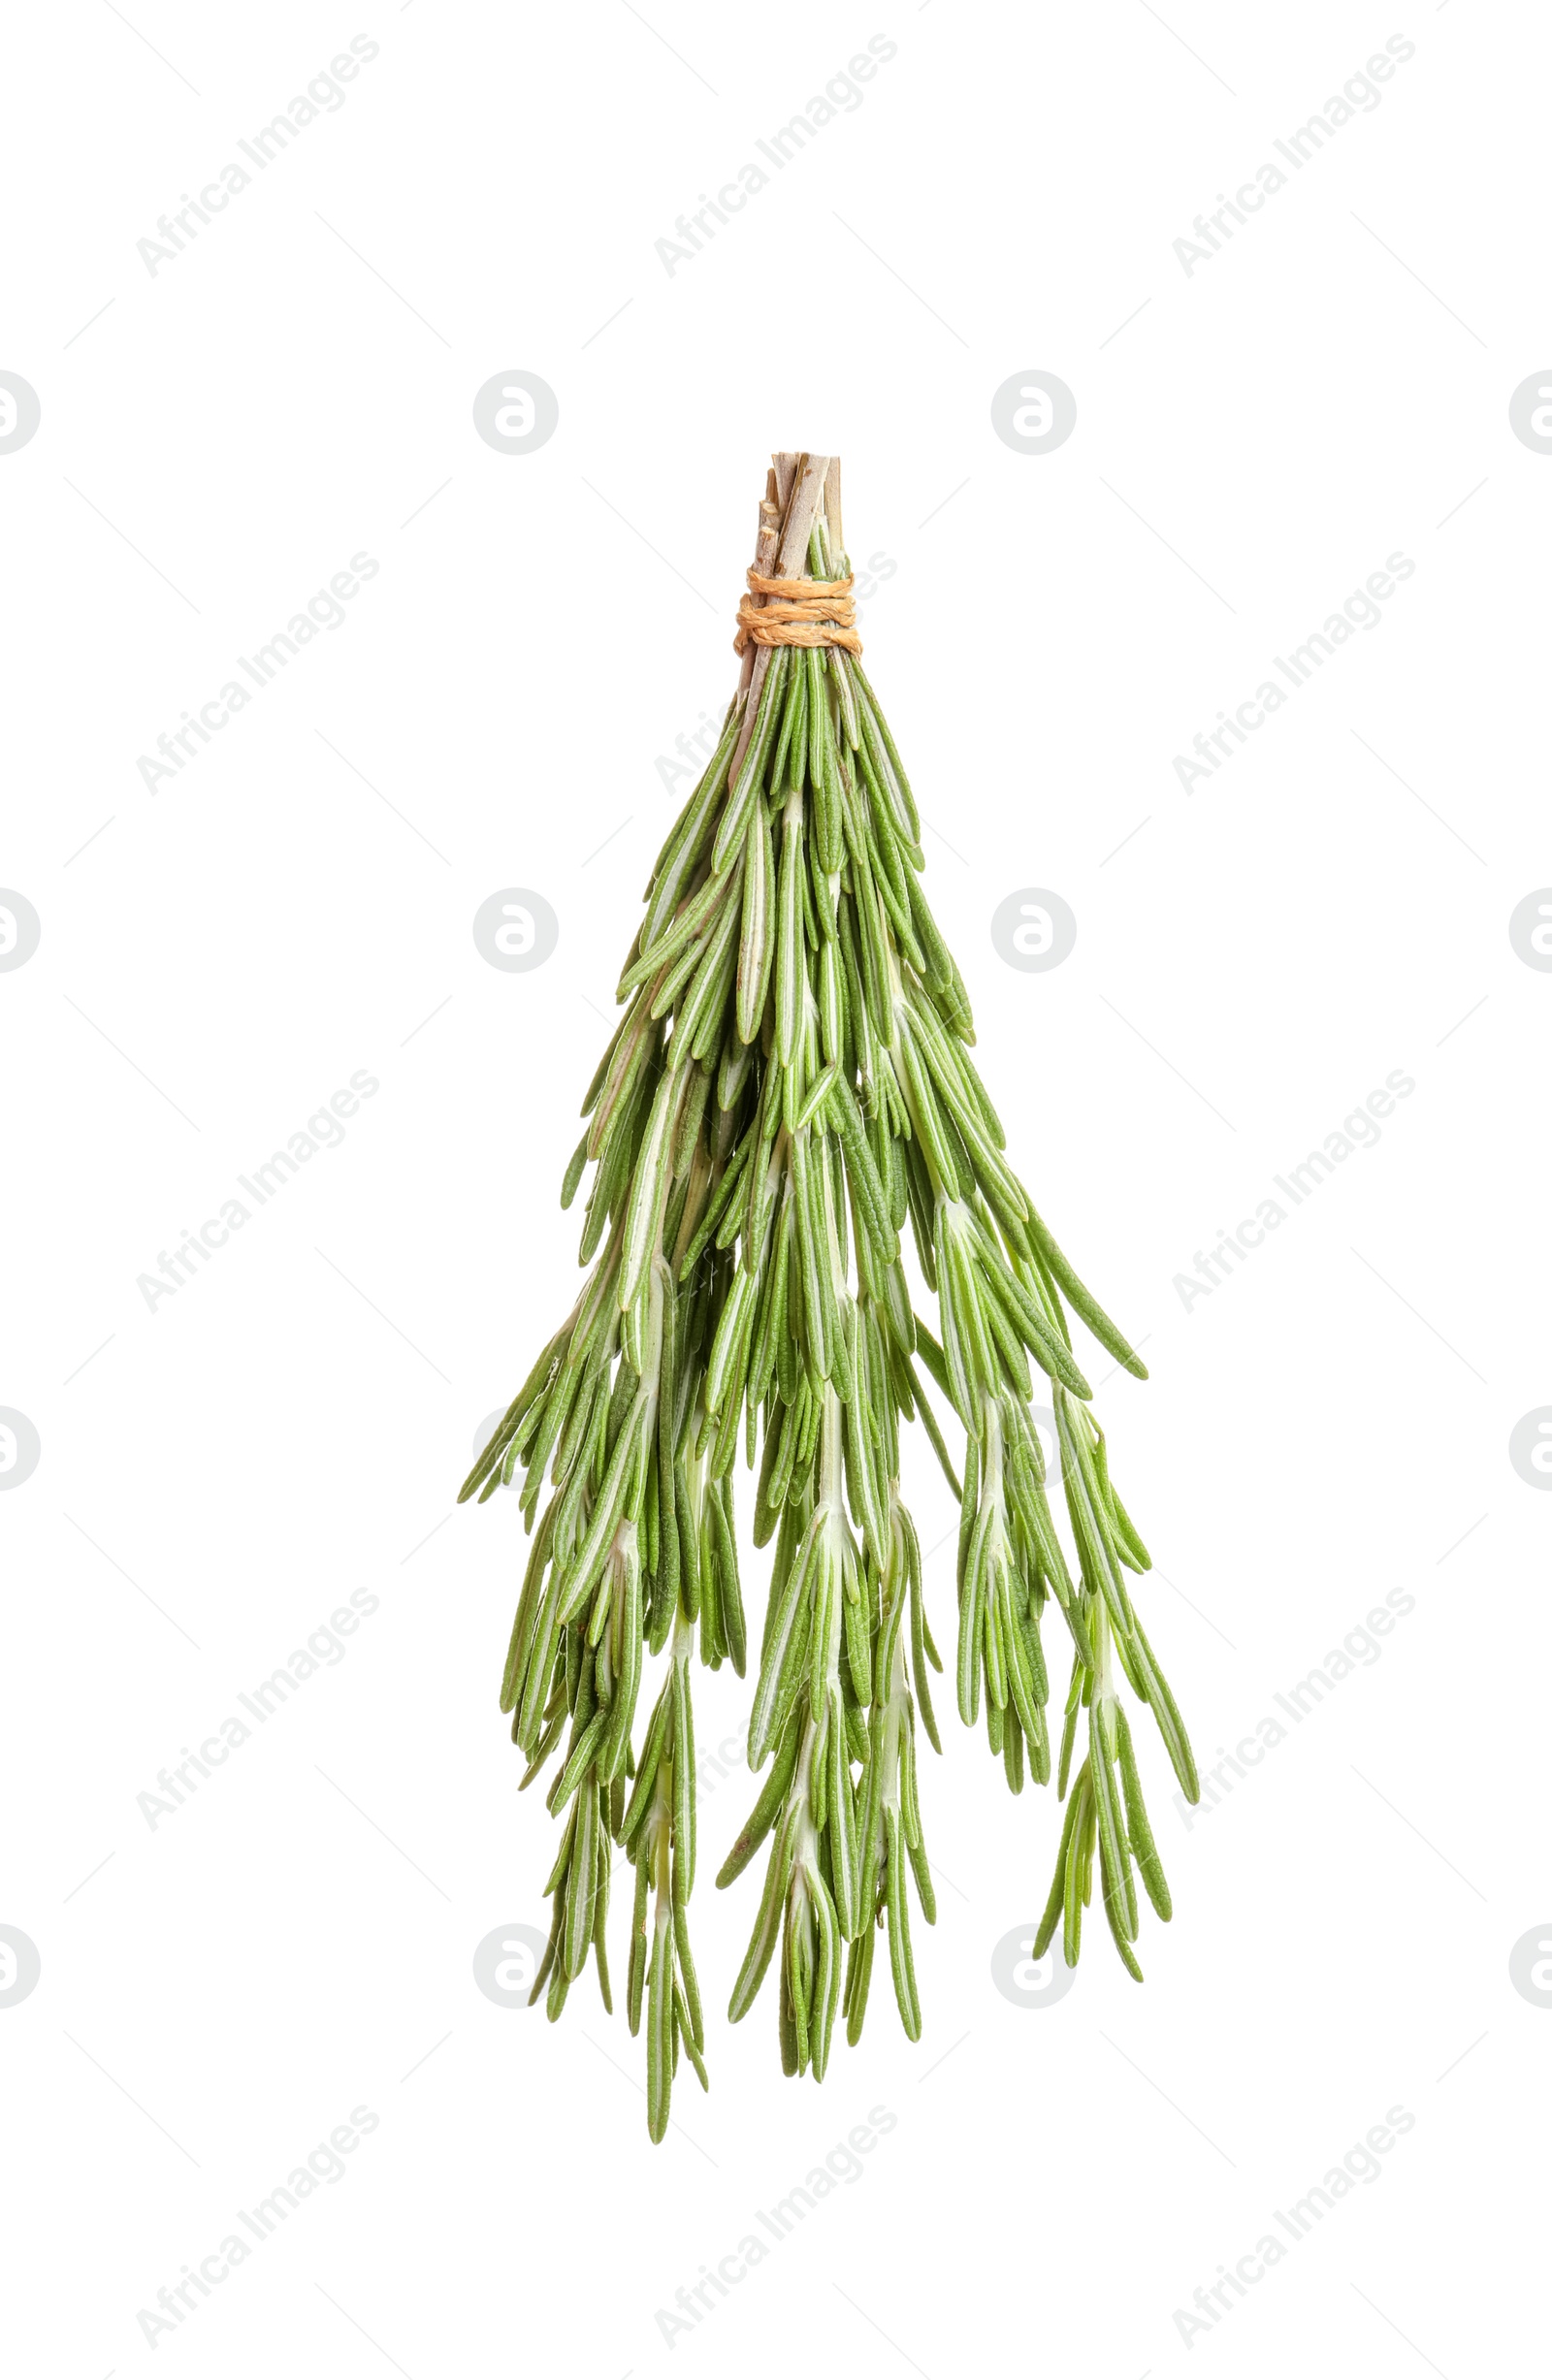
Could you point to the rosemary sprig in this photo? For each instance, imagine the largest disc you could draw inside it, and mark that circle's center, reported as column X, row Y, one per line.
column 790, row 1085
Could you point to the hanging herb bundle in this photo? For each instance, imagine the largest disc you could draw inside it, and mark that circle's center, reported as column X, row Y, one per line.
column 789, row 1088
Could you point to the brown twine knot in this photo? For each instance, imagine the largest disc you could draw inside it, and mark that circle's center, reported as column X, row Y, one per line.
column 798, row 611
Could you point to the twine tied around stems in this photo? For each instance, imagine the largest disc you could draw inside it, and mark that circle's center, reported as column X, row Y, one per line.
column 798, row 611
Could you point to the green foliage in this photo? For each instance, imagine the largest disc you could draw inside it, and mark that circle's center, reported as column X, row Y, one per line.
column 790, row 1087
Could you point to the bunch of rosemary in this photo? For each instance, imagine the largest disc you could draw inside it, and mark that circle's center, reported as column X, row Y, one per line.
column 790, row 1085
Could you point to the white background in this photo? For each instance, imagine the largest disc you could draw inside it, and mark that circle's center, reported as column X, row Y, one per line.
column 219, row 957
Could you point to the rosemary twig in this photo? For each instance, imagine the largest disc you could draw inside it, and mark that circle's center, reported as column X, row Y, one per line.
column 789, row 1090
